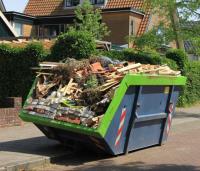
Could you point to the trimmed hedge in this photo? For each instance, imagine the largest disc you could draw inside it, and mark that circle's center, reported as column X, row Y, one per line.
column 180, row 57
column 153, row 58
column 191, row 92
column 16, row 76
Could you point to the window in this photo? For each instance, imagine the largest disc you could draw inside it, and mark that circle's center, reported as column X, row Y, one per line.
column 71, row 3
column 51, row 30
column 132, row 27
column 19, row 28
column 97, row 2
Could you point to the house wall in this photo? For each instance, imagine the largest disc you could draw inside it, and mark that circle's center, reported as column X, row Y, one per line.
column 137, row 20
column 29, row 30
column 119, row 26
column 155, row 21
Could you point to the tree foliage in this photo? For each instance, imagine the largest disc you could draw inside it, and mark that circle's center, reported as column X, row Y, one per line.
column 177, row 17
column 153, row 39
column 196, row 43
column 89, row 19
column 74, row 44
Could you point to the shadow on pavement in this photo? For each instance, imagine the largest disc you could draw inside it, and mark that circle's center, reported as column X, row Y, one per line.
column 136, row 166
column 45, row 147
column 80, row 161
column 38, row 146
column 186, row 115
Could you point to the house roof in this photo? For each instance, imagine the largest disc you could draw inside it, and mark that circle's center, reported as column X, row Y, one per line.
column 137, row 4
column 8, row 25
column 2, row 7
column 56, row 7
column 45, row 7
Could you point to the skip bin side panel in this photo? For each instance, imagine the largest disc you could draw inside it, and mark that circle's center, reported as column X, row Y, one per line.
column 150, row 115
column 145, row 134
column 153, row 100
column 116, row 133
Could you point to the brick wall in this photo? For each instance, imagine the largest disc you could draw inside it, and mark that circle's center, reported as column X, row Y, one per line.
column 9, row 116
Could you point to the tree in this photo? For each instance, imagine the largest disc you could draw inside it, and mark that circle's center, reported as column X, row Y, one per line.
column 154, row 38
column 177, row 14
column 89, row 19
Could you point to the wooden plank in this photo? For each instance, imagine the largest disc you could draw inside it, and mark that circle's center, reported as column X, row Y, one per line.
column 129, row 67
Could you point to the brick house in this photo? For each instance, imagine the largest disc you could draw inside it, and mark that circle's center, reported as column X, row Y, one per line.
column 47, row 18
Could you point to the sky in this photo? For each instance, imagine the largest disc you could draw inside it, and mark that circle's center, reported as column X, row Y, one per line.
column 15, row 5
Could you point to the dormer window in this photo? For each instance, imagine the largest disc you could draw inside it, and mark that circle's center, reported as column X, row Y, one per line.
column 71, row 3
column 97, row 2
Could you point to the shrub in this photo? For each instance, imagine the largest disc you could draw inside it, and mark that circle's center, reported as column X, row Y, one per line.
column 73, row 44
column 191, row 93
column 16, row 76
column 136, row 56
column 180, row 57
column 36, row 50
column 114, row 54
column 142, row 56
column 171, row 63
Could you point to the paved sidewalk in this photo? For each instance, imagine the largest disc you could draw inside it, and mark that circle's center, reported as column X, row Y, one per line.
column 26, row 147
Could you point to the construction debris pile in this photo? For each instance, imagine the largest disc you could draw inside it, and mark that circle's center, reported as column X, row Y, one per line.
column 79, row 92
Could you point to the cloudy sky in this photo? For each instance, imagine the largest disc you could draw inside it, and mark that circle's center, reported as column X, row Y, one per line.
column 15, row 5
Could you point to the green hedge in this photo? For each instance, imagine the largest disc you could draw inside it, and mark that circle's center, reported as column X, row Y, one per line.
column 73, row 44
column 16, row 76
column 180, row 57
column 191, row 93
column 152, row 57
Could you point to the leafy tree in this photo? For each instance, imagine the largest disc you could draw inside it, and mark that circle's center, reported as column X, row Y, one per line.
column 196, row 43
column 153, row 39
column 178, row 13
column 89, row 19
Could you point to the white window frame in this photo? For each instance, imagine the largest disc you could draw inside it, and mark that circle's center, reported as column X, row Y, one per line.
column 22, row 28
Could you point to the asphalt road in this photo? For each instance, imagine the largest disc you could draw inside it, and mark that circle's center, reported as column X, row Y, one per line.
column 181, row 152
